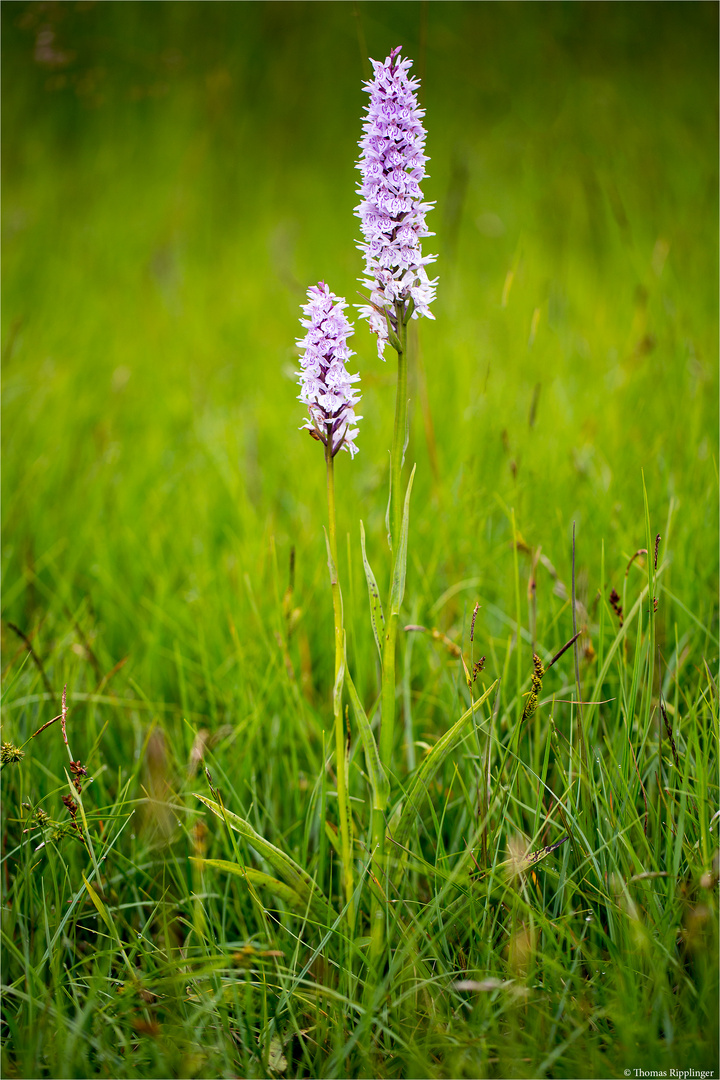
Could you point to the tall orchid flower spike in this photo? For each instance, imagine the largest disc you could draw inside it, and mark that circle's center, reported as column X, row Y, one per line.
column 392, row 211
column 327, row 385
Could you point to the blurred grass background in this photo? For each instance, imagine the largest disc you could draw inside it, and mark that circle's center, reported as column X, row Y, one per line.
column 174, row 177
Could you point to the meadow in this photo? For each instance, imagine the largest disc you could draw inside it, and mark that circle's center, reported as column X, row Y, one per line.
column 175, row 176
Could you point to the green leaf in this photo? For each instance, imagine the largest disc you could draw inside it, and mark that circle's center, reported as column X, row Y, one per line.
column 398, row 584
column 497, row 880
column 378, row 777
column 105, row 916
column 617, row 643
column 257, row 878
column 376, row 612
column 518, row 864
column 338, row 687
column 424, row 774
column 101, row 909
column 331, row 562
column 458, row 876
column 293, row 874
column 392, row 336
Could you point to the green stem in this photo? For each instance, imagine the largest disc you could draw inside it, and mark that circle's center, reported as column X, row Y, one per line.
column 377, row 907
column 387, row 731
column 398, row 442
column 340, row 743
column 387, row 727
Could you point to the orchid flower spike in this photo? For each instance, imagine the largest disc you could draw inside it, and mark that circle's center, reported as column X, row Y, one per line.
column 392, row 211
column 327, row 385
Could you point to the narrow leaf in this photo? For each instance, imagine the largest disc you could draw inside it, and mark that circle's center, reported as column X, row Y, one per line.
column 257, row 878
column 333, row 835
column 520, row 863
column 378, row 777
column 458, row 876
column 294, row 875
column 101, row 909
column 711, row 681
column 392, row 336
column 617, row 644
column 334, row 580
column 376, row 612
column 105, row 916
column 425, row 773
column 331, row 563
column 338, row 687
column 398, row 584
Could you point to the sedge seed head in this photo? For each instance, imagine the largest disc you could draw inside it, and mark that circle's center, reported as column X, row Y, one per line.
column 10, row 754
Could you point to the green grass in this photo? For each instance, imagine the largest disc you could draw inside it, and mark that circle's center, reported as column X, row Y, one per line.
column 172, row 185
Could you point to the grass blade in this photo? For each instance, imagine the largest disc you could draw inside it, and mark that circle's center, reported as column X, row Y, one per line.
column 297, row 878
column 378, row 777
column 377, row 617
column 400, row 563
column 285, row 892
column 423, row 777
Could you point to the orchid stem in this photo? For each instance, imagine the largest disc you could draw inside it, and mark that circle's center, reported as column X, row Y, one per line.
column 398, row 443
column 387, row 731
column 340, row 741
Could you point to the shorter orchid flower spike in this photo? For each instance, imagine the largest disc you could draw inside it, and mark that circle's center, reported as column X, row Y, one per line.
column 327, row 385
